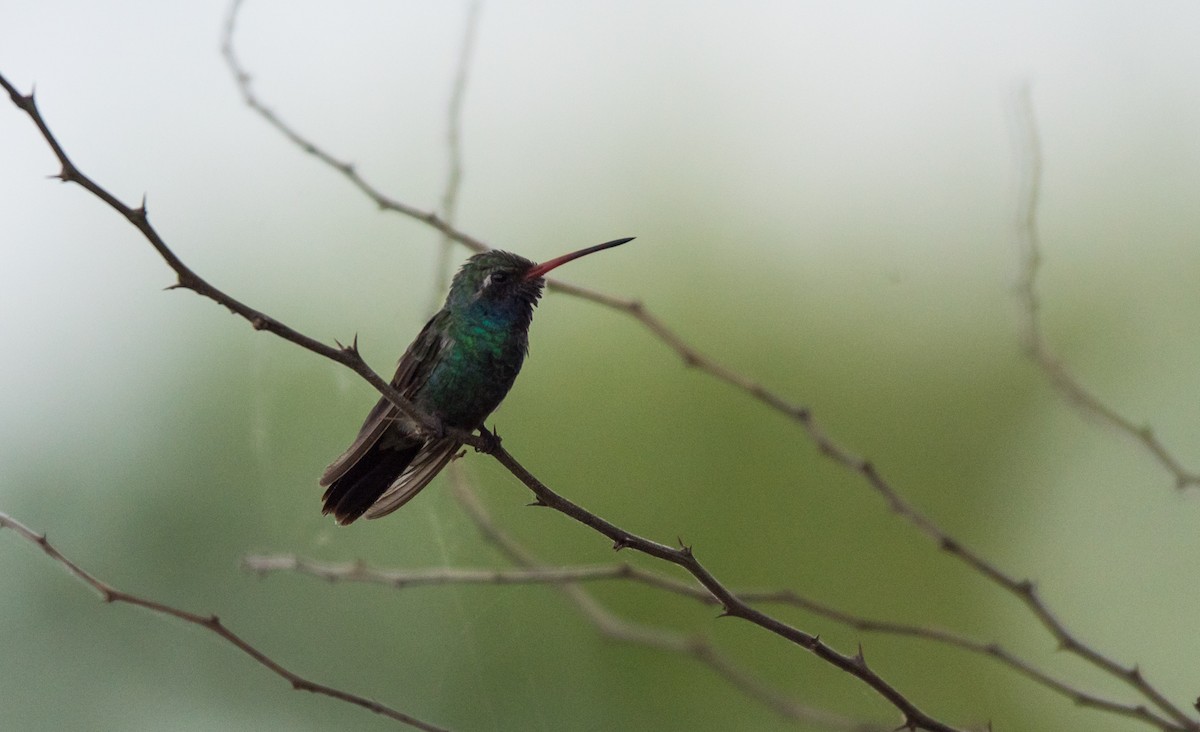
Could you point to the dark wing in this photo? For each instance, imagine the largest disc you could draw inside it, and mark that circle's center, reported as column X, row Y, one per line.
column 425, row 466
column 412, row 371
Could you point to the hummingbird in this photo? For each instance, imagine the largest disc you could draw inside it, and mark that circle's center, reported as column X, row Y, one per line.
column 459, row 369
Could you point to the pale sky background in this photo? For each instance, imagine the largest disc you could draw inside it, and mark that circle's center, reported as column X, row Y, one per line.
column 836, row 168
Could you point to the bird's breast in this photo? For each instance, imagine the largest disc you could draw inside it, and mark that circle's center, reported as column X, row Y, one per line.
column 473, row 375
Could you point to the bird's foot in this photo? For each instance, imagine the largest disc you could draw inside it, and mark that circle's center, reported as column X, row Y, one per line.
column 489, row 441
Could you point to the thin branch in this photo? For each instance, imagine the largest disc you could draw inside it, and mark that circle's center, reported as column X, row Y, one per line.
column 1029, row 242
column 608, row 624
column 633, row 308
column 1025, row 591
column 186, row 279
column 346, row 169
column 454, row 152
column 212, row 623
column 991, row 649
column 731, row 604
column 404, row 578
column 533, row 572
column 914, row 717
column 616, row 628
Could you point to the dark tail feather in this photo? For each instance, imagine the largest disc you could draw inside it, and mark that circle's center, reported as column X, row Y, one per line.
column 351, row 495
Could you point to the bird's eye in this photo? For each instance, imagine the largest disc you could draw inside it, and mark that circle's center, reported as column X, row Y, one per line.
column 498, row 278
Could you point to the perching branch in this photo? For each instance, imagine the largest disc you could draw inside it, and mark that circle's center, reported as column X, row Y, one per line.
column 348, row 356
column 531, row 571
column 731, row 604
column 568, row 578
column 1029, row 242
column 612, row 626
column 211, row 623
column 913, row 717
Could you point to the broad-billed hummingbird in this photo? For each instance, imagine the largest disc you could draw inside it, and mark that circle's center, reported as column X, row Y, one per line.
column 458, row 369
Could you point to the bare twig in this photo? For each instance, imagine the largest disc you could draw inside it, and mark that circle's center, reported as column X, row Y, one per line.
column 607, row 623
column 346, row 169
column 212, row 623
column 913, row 716
column 1025, row 591
column 994, row 650
column 534, row 572
column 454, row 151
column 731, row 604
column 348, row 356
column 404, row 578
column 633, row 308
column 1029, row 241
column 616, row 628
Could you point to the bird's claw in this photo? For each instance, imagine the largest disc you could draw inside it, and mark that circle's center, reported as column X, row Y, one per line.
column 490, row 441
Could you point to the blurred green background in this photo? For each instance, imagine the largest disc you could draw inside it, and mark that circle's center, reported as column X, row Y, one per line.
column 824, row 198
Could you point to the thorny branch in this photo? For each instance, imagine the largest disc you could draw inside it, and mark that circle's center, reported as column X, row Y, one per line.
column 1035, row 339
column 616, row 628
column 731, row 604
column 1023, row 589
column 534, row 572
column 856, row 665
column 211, row 623
column 531, row 571
column 186, row 279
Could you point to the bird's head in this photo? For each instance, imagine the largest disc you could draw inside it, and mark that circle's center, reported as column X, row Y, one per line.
column 496, row 279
